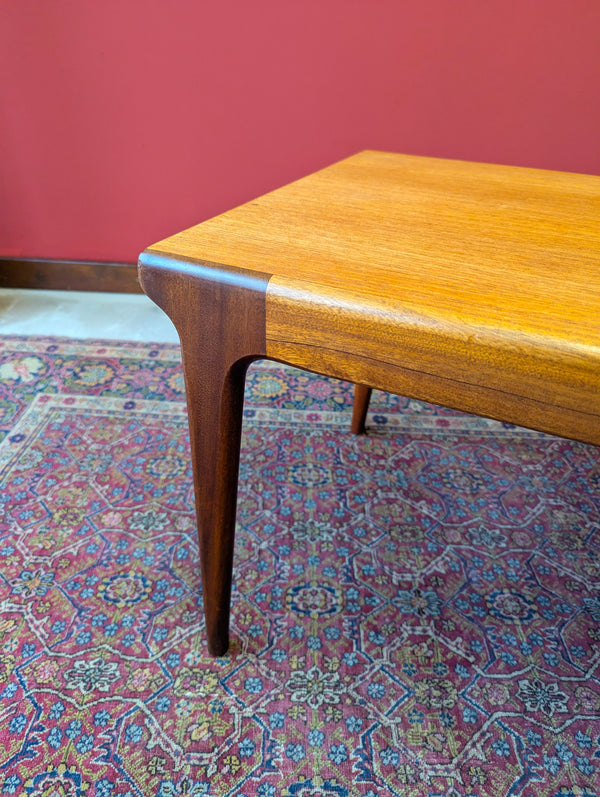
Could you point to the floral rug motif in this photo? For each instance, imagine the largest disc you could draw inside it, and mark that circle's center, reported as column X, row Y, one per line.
column 415, row 612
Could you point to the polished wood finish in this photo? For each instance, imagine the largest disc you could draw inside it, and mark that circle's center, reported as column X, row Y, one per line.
column 470, row 285
column 220, row 318
column 362, row 397
column 68, row 275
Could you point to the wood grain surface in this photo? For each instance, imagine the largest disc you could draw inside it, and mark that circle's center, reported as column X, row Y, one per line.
column 220, row 318
column 471, row 285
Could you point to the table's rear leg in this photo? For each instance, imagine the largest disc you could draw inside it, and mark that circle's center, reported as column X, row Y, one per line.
column 220, row 320
column 362, row 397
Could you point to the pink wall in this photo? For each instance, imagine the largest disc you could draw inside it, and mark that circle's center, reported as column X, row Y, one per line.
column 123, row 121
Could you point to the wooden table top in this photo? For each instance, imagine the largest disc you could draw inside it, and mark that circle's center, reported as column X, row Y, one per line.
column 494, row 245
column 471, row 285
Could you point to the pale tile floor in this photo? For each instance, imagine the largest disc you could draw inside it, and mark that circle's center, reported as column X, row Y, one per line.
column 75, row 314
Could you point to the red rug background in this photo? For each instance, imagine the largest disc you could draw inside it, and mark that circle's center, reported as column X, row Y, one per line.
column 415, row 612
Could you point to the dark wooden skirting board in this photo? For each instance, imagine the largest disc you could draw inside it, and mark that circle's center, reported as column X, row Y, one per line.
column 68, row 275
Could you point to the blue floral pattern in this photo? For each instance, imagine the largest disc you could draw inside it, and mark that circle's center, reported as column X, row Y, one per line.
column 414, row 612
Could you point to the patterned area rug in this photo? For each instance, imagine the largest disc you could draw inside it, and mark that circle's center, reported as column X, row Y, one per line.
column 415, row 612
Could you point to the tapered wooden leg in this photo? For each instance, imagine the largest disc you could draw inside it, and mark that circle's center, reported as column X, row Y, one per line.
column 215, row 400
column 220, row 318
column 362, row 397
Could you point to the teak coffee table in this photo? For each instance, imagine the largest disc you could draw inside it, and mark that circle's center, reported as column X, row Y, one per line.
column 468, row 285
